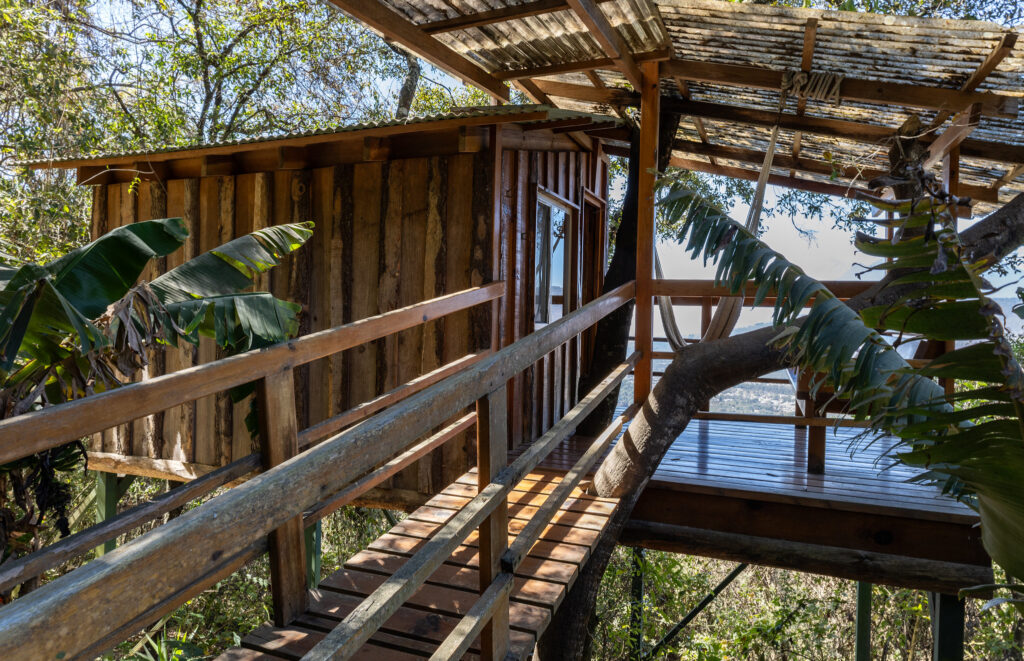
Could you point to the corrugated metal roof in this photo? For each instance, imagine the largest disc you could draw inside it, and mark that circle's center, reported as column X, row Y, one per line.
column 552, row 112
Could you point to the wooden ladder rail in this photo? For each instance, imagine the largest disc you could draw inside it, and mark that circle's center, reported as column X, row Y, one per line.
column 210, row 542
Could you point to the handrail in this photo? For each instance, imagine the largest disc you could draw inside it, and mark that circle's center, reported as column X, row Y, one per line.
column 700, row 288
column 359, row 625
column 232, row 527
column 33, row 432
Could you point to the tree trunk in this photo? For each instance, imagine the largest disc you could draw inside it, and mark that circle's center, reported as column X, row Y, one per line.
column 612, row 338
column 412, row 78
column 696, row 374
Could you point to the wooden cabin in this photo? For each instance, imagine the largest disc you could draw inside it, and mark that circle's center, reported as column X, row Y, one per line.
column 405, row 211
column 442, row 235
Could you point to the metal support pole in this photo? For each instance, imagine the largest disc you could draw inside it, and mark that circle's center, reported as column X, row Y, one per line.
column 636, row 605
column 106, row 505
column 947, row 626
column 670, row 636
column 863, row 645
column 314, row 554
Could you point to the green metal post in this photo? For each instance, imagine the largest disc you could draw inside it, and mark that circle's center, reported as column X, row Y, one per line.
column 636, row 604
column 863, row 645
column 107, row 495
column 947, row 612
column 314, row 554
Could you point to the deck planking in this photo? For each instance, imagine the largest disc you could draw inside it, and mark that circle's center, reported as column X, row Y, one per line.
column 541, row 581
column 768, row 462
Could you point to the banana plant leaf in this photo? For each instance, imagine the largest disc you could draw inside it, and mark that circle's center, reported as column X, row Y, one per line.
column 44, row 304
column 232, row 266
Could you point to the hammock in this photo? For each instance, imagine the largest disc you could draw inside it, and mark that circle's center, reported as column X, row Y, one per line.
column 727, row 313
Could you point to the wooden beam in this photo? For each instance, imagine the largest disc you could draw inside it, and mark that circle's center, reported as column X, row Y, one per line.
column 555, row 69
column 1010, row 175
column 976, row 193
column 806, row 61
column 882, row 568
column 963, row 124
column 853, row 89
column 581, row 65
column 1001, row 50
column 395, row 27
column 650, row 113
column 500, row 15
column 836, row 128
column 608, row 38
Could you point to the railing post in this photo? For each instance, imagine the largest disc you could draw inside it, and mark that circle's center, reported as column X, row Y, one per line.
column 650, row 104
column 492, row 456
column 279, row 440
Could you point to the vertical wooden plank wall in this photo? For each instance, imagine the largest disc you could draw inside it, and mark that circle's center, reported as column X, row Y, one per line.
column 544, row 392
column 387, row 234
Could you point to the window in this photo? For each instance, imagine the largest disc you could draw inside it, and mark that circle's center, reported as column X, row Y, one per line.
column 550, row 276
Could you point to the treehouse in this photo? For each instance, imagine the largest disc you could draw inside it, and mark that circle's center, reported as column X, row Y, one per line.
column 451, row 298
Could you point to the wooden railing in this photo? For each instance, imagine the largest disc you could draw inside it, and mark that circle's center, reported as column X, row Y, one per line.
column 306, row 475
column 706, row 294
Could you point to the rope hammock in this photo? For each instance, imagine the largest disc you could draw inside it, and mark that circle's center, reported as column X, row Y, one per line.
column 817, row 86
column 727, row 314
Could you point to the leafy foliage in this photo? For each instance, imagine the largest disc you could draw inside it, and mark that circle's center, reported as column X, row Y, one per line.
column 975, row 452
column 80, row 324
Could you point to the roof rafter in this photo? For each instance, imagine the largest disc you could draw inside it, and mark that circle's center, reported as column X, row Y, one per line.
column 1001, row 50
column 1010, row 175
column 581, row 65
column 608, row 38
column 810, row 166
column 853, row 89
column 397, row 28
column 809, row 185
column 963, row 124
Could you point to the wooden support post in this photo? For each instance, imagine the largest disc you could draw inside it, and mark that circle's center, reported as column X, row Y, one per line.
column 947, row 612
column 496, row 305
column 279, row 440
column 862, row 649
column 650, row 107
column 951, row 184
column 314, row 554
column 492, row 454
column 106, row 505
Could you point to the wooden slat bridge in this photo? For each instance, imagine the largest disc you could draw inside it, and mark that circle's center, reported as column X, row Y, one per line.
column 477, row 571
column 430, row 616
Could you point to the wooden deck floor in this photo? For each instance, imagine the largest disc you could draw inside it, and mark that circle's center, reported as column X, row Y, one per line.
column 769, row 461
column 542, row 580
column 749, row 479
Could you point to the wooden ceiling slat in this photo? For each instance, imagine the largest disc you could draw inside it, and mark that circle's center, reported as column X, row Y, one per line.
column 492, row 16
column 397, row 28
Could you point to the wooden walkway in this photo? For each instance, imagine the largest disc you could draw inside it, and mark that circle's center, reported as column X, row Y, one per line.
column 541, row 583
column 730, row 489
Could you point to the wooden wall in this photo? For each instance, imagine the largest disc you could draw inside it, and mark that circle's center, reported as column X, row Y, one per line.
column 388, row 234
column 576, row 181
